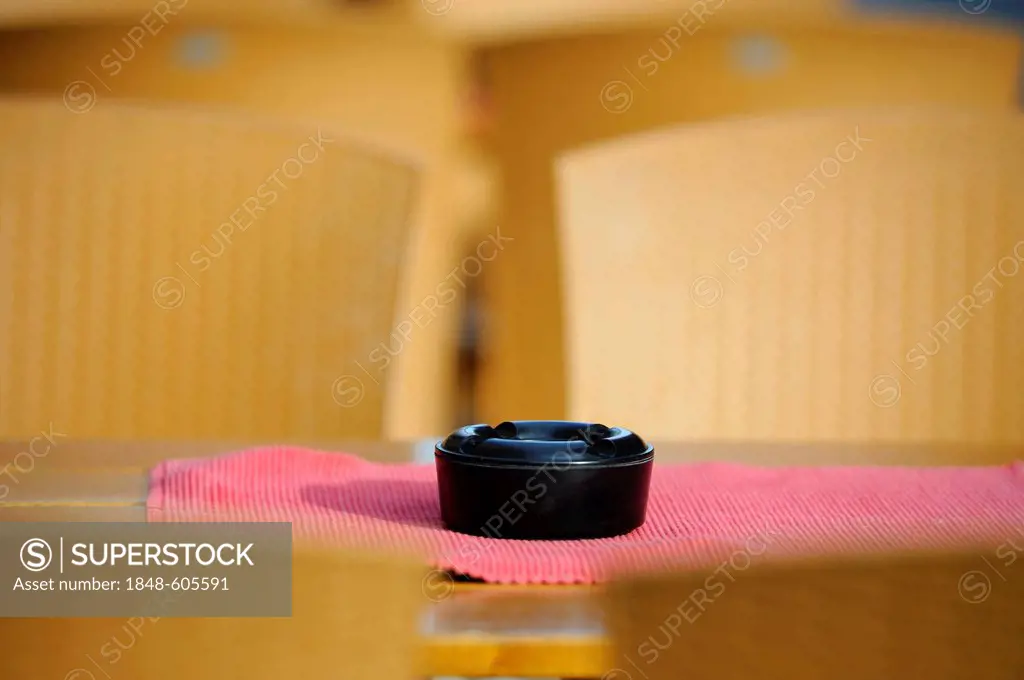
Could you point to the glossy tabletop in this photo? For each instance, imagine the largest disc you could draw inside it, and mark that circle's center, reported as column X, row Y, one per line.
column 480, row 630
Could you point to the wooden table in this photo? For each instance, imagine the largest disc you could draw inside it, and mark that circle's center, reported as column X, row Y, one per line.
column 481, row 630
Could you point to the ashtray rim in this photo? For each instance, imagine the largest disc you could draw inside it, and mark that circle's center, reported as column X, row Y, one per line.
column 554, row 462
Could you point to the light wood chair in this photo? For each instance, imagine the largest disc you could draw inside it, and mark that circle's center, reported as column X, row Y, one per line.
column 946, row 617
column 353, row 616
column 847, row 275
column 169, row 273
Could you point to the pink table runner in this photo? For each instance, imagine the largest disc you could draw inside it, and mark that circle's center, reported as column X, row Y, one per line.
column 697, row 513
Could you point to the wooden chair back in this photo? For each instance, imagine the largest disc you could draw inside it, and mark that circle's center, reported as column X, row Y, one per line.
column 850, row 275
column 169, row 273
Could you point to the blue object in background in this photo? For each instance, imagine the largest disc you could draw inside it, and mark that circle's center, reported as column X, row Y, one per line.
column 201, row 50
column 1004, row 11
column 759, row 55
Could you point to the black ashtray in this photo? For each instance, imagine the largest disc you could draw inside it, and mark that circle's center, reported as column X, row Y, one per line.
column 543, row 480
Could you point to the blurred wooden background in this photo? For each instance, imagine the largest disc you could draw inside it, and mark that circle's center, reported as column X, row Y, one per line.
column 404, row 94
column 484, row 95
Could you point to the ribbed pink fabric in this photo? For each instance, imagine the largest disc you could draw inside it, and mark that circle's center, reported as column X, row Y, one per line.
column 697, row 513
